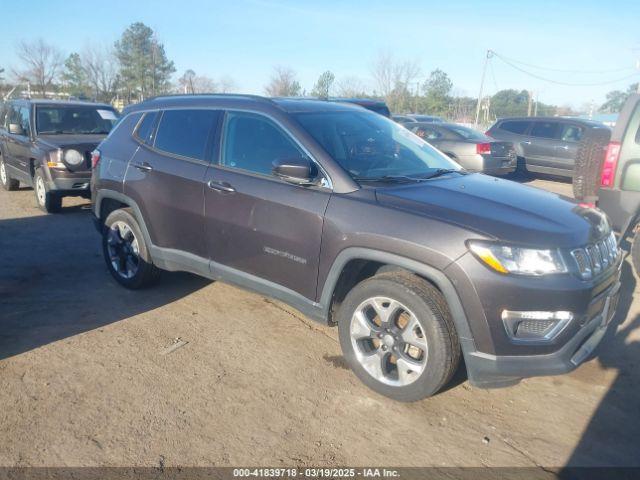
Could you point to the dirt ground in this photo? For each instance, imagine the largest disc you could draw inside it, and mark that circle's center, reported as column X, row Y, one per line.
column 89, row 375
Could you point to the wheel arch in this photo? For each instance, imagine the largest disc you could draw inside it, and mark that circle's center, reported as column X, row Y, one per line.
column 359, row 262
column 107, row 201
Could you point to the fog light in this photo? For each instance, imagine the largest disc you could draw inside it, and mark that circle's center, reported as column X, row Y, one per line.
column 535, row 326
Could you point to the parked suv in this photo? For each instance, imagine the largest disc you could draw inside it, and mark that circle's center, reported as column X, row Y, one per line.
column 355, row 221
column 545, row 144
column 47, row 145
column 619, row 193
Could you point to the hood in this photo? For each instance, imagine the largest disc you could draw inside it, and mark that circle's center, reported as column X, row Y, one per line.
column 500, row 209
column 70, row 140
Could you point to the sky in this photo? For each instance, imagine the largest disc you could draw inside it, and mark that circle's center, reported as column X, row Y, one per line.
column 245, row 39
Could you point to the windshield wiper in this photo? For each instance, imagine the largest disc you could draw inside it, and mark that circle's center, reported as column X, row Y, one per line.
column 443, row 171
column 389, row 179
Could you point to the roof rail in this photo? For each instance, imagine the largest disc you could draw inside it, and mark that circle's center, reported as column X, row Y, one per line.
column 222, row 95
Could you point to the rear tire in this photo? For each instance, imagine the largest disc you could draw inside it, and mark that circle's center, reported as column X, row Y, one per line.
column 588, row 163
column 125, row 251
column 7, row 182
column 635, row 252
column 397, row 335
column 47, row 201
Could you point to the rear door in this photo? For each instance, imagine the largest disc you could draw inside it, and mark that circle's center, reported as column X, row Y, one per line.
column 166, row 177
column 540, row 146
column 256, row 223
column 566, row 147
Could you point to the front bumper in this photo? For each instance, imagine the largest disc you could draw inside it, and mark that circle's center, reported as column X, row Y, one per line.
column 489, row 371
column 70, row 182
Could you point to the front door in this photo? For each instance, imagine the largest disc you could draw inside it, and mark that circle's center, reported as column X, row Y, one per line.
column 166, row 178
column 19, row 144
column 256, row 223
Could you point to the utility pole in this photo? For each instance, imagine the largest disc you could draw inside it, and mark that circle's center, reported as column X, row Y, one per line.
column 484, row 71
column 535, row 106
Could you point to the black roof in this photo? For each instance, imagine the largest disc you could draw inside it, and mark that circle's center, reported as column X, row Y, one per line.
column 584, row 121
column 286, row 104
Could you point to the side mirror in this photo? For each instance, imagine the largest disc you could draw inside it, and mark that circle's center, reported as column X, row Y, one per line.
column 300, row 171
column 16, row 129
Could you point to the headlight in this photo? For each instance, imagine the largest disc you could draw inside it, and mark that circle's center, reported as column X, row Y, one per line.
column 518, row 260
column 73, row 157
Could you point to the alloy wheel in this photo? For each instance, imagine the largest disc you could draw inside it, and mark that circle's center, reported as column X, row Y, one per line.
column 388, row 341
column 41, row 191
column 123, row 250
column 3, row 173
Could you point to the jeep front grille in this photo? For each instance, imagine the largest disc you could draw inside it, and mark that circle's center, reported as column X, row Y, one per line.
column 597, row 257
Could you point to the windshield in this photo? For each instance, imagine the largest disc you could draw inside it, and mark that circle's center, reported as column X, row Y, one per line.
column 468, row 133
column 369, row 146
column 74, row 119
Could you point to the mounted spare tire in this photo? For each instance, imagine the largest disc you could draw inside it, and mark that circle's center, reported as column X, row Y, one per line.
column 589, row 158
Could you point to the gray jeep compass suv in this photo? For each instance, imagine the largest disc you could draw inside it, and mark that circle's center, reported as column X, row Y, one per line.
column 357, row 222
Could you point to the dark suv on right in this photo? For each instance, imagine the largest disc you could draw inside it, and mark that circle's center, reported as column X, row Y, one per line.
column 357, row 222
column 547, row 145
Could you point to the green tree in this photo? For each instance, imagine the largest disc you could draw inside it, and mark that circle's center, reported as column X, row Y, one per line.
column 437, row 93
column 323, row 85
column 615, row 99
column 74, row 76
column 510, row 103
column 145, row 69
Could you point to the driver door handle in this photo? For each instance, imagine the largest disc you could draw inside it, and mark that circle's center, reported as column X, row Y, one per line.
column 220, row 186
column 145, row 167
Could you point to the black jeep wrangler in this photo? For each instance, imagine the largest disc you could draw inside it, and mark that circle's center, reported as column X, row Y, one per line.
column 47, row 145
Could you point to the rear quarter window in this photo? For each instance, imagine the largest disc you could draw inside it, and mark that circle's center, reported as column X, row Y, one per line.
column 186, row 132
column 515, row 126
column 145, row 128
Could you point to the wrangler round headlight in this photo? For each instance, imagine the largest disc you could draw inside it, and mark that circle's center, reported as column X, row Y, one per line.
column 518, row 260
column 73, row 157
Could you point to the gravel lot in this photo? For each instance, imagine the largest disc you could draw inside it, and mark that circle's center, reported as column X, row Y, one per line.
column 89, row 375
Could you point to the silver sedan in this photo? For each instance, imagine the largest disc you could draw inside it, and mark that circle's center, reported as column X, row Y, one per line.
column 473, row 150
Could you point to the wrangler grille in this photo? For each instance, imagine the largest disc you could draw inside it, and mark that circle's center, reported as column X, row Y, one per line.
column 597, row 257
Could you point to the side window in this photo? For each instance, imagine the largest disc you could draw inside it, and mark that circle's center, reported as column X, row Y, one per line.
column 427, row 133
column 546, row 130
column 13, row 115
column 515, row 126
column 145, row 128
column 571, row 133
column 186, row 132
column 24, row 120
column 253, row 142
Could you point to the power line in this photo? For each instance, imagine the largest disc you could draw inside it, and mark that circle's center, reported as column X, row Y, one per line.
column 537, row 67
column 558, row 82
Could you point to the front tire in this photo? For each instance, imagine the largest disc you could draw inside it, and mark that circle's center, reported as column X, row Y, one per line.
column 7, row 182
column 125, row 251
column 47, row 201
column 397, row 335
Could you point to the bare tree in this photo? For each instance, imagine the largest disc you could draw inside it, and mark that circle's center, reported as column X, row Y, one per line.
column 101, row 67
column 394, row 80
column 189, row 82
column 283, row 83
column 227, row 84
column 351, row 87
column 41, row 63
